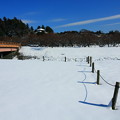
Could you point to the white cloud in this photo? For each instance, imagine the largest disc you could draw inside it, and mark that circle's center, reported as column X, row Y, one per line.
column 27, row 21
column 57, row 20
column 90, row 21
column 111, row 24
column 28, row 14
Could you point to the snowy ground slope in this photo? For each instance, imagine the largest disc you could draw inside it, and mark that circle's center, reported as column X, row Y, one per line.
column 53, row 90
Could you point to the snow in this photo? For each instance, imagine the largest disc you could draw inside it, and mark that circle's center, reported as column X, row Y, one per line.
column 60, row 52
column 58, row 90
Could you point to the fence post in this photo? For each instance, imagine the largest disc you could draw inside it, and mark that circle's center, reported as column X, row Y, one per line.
column 86, row 59
column 93, row 67
column 75, row 59
column 90, row 61
column 98, row 77
column 43, row 58
column 114, row 99
column 65, row 59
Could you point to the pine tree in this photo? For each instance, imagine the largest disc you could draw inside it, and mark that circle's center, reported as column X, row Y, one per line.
column 49, row 30
column 13, row 27
column 43, row 27
column 38, row 27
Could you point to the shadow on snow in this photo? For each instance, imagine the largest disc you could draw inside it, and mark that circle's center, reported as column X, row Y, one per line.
column 85, row 71
column 99, row 105
column 87, row 82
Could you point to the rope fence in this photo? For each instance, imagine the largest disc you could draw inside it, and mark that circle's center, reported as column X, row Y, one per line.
column 96, row 71
column 106, row 81
column 117, row 86
column 51, row 58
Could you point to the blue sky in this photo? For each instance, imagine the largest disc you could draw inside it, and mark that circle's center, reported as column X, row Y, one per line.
column 65, row 15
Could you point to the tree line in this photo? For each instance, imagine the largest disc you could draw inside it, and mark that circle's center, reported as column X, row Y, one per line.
column 14, row 30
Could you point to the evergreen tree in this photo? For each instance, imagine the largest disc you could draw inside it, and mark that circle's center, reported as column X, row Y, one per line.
column 5, row 19
column 43, row 27
column 13, row 27
column 49, row 30
column 38, row 27
column 31, row 28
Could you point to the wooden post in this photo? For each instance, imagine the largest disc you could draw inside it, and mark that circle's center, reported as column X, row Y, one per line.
column 98, row 77
column 90, row 61
column 93, row 67
column 114, row 99
column 65, row 59
column 43, row 58
column 75, row 59
column 86, row 59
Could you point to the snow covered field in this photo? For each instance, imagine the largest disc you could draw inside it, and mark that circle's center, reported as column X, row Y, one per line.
column 58, row 53
column 58, row 90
